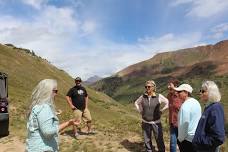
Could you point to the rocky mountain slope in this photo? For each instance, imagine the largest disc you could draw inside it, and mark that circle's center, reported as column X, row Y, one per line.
column 183, row 61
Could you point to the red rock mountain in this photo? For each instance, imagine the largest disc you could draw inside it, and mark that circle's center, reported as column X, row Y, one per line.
column 183, row 61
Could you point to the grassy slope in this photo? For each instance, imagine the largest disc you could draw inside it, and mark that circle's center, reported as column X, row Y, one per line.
column 112, row 122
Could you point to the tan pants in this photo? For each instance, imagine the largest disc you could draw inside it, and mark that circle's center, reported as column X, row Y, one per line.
column 85, row 115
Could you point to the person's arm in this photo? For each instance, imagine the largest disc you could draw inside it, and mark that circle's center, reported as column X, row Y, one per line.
column 86, row 98
column 164, row 100
column 183, row 123
column 69, row 100
column 86, row 101
column 138, row 104
column 68, row 123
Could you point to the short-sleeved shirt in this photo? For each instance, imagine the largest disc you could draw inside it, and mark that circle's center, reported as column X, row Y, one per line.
column 78, row 95
column 188, row 118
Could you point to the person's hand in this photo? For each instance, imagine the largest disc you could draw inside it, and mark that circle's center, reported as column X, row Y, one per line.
column 71, row 121
column 58, row 112
column 73, row 108
column 171, row 86
column 77, row 122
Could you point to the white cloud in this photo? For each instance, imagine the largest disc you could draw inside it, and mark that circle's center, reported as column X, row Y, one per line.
column 57, row 19
column 46, row 33
column 105, row 59
column 203, row 8
column 35, row 3
column 180, row 2
column 88, row 27
column 169, row 42
column 108, row 57
column 219, row 31
column 8, row 22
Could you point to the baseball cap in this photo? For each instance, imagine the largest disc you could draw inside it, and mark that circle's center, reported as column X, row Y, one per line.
column 184, row 87
column 78, row 79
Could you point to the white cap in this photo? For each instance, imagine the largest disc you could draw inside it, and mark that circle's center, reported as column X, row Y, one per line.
column 184, row 87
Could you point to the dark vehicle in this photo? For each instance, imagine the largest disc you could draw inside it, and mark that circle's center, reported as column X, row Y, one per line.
column 4, row 115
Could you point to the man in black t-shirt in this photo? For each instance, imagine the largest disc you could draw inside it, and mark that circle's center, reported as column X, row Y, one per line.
column 77, row 98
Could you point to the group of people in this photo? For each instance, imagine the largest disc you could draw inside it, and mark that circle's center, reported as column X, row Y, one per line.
column 189, row 129
column 42, row 122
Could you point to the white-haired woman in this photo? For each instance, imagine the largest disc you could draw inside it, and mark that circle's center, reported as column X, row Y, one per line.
column 42, row 122
column 210, row 132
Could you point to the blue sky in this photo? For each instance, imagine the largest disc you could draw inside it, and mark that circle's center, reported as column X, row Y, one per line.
column 101, row 37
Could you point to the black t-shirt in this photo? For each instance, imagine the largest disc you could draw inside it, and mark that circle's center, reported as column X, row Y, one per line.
column 78, row 95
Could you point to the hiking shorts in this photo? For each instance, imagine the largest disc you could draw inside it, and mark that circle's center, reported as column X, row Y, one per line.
column 84, row 115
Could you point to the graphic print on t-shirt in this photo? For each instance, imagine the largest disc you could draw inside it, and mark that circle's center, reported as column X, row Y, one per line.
column 80, row 92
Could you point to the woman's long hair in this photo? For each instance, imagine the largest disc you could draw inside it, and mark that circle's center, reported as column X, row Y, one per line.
column 43, row 93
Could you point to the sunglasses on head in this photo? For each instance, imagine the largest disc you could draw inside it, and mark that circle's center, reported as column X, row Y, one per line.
column 55, row 91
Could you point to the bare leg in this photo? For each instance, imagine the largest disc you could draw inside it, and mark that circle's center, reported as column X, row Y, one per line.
column 89, row 125
column 75, row 125
column 75, row 129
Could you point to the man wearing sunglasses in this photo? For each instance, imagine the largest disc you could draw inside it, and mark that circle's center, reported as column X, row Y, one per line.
column 148, row 104
column 188, row 118
column 77, row 98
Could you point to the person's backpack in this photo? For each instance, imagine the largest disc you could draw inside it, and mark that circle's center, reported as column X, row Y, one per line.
column 4, row 115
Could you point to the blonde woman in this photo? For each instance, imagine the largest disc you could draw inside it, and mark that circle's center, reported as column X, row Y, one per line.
column 210, row 132
column 42, row 122
column 148, row 105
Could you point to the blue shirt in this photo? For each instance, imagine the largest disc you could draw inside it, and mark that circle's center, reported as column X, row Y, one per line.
column 188, row 118
column 210, row 132
column 42, row 128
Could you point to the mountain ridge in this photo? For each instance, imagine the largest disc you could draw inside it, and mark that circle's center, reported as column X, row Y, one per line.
column 178, row 58
column 92, row 80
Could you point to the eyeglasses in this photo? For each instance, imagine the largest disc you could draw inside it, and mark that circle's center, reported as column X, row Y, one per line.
column 202, row 91
column 55, row 91
column 148, row 87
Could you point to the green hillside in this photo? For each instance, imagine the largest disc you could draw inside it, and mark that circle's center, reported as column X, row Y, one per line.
column 113, row 122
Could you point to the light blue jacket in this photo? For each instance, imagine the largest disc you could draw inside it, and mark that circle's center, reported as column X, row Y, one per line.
column 188, row 118
column 42, row 128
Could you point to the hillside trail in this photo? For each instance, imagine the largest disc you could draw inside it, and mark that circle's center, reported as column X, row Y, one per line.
column 102, row 141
